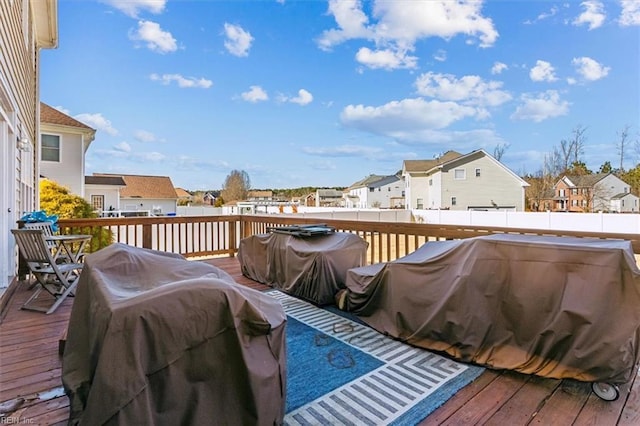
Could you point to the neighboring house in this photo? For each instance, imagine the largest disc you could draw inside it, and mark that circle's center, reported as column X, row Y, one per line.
column 210, row 198
column 376, row 191
column 625, row 203
column 103, row 193
column 27, row 27
column 184, row 197
column 329, row 198
column 153, row 194
column 591, row 193
column 474, row 181
column 260, row 196
column 64, row 141
column 308, row 200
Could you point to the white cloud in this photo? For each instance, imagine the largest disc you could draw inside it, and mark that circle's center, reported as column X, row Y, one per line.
column 398, row 25
column 590, row 69
column 385, row 58
column 440, row 55
column 405, row 115
column 255, row 94
column 346, row 151
column 498, row 67
column 630, row 14
column 238, row 41
column 150, row 156
column 122, row 147
column 183, row 82
column 132, row 8
column 470, row 89
column 154, row 37
column 322, row 165
column 541, row 107
column 303, row 98
column 98, row 122
column 144, row 136
column 550, row 13
column 543, row 71
column 593, row 14
column 352, row 23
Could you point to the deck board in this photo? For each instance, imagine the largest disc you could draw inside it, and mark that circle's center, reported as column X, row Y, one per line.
column 30, row 369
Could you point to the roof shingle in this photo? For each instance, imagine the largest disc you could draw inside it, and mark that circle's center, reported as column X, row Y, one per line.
column 51, row 115
column 145, row 186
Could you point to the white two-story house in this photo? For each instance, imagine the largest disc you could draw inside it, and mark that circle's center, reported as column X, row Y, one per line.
column 474, row 181
column 374, row 191
column 64, row 142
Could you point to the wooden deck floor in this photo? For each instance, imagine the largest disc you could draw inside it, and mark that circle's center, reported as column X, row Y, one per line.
column 31, row 389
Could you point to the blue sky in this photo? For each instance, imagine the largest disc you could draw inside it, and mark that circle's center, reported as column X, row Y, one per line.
column 324, row 93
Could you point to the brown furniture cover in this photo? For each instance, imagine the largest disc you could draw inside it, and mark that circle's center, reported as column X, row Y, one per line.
column 313, row 268
column 156, row 339
column 558, row 307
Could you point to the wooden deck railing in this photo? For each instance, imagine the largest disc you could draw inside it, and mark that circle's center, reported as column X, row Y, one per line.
column 194, row 236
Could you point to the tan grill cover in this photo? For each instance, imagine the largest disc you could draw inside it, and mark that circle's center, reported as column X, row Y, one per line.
column 557, row 307
column 156, row 339
column 313, row 268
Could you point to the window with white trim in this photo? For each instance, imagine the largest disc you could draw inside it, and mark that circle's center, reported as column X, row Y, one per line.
column 97, row 202
column 459, row 174
column 477, row 172
column 50, row 148
column 454, row 201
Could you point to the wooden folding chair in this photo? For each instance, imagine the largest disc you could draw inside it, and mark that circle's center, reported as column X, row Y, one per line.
column 58, row 277
column 47, row 229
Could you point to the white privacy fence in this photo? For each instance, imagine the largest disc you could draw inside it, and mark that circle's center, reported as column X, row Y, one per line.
column 563, row 221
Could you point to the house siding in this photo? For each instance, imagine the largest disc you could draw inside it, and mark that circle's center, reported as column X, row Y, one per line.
column 143, row 204
column 19, row 93
column 606, row 189
column 110, row 193
column 383, row 195
column 494, row 185
column 68, row 172
column 419, row 192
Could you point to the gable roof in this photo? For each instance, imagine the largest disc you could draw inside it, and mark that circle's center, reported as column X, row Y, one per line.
column 183, row 193
column 259, row 194
column 624, row 195
column 451, row 159
column 139, row 186
column 51, row 115
column 421, row 166
column 366, row 181
column 586, row 181
column 375, row 181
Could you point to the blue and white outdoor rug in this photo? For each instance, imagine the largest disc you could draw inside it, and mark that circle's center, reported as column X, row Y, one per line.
column 343, row 372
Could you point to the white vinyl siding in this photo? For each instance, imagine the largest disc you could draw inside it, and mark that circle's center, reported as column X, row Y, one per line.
column 496, row 184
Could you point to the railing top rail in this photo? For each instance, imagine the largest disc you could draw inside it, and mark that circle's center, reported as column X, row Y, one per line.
column 406, row 228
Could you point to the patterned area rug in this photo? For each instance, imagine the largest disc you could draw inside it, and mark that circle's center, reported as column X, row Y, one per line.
column 343, row 372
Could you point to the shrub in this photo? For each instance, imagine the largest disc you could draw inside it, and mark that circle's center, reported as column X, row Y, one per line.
column 56, row 199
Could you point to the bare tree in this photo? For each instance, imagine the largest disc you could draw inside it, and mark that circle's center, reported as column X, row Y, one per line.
column 553, row 165
column 621, row 145
column 571, row 150
column 236, row 186
column 499, row 150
